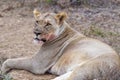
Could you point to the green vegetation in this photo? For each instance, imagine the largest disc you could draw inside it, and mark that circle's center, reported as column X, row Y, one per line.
column 86, row 2
column 49, row 1
column 113, row 34
column 96, row 31
column 5, row 76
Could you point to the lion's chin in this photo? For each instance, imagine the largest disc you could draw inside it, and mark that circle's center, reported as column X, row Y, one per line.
column 38, row 42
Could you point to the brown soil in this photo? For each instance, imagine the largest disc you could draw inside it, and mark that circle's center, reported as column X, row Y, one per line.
column 16, row 24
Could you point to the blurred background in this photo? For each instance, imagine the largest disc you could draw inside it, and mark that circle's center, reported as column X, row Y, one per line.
column 98, row 19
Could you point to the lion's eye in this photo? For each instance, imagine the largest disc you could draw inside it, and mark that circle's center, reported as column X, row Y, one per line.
column 47, row 24
column 46, row 27
column 37, row 21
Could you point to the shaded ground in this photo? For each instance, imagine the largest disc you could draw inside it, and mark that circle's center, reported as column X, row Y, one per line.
column 16, row 24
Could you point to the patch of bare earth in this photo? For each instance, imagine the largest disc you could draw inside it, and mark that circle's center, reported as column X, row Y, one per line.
column 16, row 24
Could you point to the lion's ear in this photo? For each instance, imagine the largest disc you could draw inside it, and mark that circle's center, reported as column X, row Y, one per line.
column 36, row 13
column 61, row 17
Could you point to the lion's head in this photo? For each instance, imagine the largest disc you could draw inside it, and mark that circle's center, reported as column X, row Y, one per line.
column 47, row 25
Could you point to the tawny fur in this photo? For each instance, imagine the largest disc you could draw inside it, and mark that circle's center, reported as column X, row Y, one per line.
column 70, row 55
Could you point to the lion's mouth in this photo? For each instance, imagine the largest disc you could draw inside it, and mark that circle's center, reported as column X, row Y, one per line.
column 44, row 38
column 39, row 40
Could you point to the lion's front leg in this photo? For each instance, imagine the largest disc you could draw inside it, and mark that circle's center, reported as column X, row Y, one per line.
column 20, row 63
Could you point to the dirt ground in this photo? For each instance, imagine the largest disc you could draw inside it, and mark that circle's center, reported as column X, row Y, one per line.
column 16, row 24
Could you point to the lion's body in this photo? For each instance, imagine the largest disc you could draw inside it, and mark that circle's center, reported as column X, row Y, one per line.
column 72, row 56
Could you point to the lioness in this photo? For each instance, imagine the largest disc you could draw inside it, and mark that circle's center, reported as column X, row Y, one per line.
column 67, row 53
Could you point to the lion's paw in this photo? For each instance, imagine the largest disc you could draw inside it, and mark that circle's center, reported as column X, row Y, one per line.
column 5, row 68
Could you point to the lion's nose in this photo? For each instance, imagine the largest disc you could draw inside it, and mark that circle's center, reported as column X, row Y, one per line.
column 37, row 33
